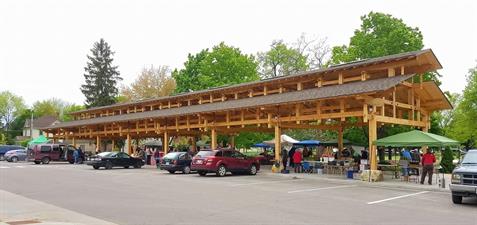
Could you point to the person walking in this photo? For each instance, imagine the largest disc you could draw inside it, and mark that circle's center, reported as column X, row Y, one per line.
column 297, row 158
column 284, row 158
column 76, row 156
column 428, row 161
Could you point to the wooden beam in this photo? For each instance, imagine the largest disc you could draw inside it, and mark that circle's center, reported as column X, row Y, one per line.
column 340, row 78
column 165, row 142
column 278, row 144
column 227, row 118
column 128, row 141
column 299, row 86
column 298, row 112
column 269, row 119
column 372, row 131
column 391, row 120
column 394, row 102
column 213, row 138
column 391, row 72
column 365, row 113
column 342, row 109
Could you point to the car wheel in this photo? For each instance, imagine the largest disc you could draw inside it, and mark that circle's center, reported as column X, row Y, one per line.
column 221, row 171
column 456, row 199
column 126, row 167
column 14, row 159
column 202, row 173
column 45, row 160
column 138, row 165
column 37, row 162
column 253, row 170
column 108, row 165
column 171, row 171
column 186, row 170
column 96, row 167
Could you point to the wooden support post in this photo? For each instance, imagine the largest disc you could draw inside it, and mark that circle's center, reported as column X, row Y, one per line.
column 74, row 142
column 194, row 144
column 298, row 113
column 98, row 144
column 278, row 144
column 165, row 142
column 340, row 78
column 213, row 137
column 340, row 139
column 342, row 109
column 402, row 70
column 227, row 118
column 269, row 120
column 320, row 82
column 177, row 124
column 128, row 140
column 250, row 93
column 418, row 107
column 265, row 90
column 394, row 102
column 242, row 117
column 188, row 122
column 113, row 143
column 365, row 113
column 257, row 116
column 363, row 76
column 299, row 86
column 391, row 72
column 372, row 130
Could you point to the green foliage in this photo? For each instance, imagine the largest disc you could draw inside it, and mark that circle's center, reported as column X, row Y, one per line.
column 446, row 161
column 65, row 116
column 463, row 126
column 11, row 106
column 247, row 139
column 281, row 60
column 224, row 65
column 55, row 107
column 380, row 35
column 3, row 139
column 24, row 143
column 101, row 76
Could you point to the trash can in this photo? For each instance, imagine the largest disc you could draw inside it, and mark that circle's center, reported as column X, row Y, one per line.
column 350, row 174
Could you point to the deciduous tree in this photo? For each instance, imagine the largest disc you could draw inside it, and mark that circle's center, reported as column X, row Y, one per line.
column 151, row 83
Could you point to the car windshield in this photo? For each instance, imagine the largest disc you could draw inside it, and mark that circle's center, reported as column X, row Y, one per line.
column 172, row 155
column 107, row 154
column 203, row 154
column 470, row 158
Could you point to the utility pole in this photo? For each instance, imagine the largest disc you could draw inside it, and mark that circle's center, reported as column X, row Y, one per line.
column 31, row 126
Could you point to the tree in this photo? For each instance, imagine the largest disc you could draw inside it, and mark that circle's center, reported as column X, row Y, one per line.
column 446, row 162
column 380, row 35
column 247, row 139
column 11, row 106
column 100, row 76
column 151, row 83
column 281, row 60
column 315, row 49
column 463, row 127
column 55, row 107
column 224, row 65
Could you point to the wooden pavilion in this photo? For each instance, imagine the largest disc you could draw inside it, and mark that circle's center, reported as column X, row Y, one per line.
column 384, row 90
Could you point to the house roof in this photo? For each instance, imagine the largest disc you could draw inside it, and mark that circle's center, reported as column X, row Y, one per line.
column 325, row 92
column 42, row 122
column 427, row 53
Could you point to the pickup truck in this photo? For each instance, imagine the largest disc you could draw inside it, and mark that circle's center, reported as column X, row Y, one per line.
column 464, row 178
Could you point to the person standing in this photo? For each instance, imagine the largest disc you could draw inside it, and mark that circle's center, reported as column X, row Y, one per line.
column 297, row 158
column 284, row 158
column 428, row 161
column 76, row 156
column 290, row 156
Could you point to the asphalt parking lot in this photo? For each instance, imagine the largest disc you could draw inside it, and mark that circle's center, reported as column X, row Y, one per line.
column 150, row 196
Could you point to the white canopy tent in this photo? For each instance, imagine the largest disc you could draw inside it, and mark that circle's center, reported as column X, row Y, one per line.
column 286, row 141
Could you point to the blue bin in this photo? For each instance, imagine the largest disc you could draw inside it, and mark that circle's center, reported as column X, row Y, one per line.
column 349, row 175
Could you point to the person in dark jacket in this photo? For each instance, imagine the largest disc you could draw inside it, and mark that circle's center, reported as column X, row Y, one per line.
column 284, row 158
column 290, row 156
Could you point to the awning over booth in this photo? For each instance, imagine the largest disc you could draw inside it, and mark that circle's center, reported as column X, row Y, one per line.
column 308, row 143
column 416, row 138
column 284, row 139
column 261, row 145
column 39, row 140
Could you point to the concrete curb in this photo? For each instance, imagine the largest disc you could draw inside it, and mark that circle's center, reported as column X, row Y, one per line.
column 359, row 182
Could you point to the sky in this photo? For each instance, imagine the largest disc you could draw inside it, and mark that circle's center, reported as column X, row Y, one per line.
column 43, row 44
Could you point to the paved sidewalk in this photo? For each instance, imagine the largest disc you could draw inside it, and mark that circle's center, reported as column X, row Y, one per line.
column 388, row 181
column 16, row 209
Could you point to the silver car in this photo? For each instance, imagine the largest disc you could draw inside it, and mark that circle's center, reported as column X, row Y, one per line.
column 464, row 178
column 16, row 155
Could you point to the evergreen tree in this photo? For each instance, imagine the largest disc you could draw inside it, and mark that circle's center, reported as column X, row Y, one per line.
column 446, row 162
column 100, row 76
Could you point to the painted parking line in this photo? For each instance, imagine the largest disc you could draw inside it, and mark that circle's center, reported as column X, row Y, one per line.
column 397, row 197
column 319, row 189
column 4, row 167
column 263, row 182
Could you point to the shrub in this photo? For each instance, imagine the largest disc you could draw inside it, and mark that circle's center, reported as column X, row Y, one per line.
column 446, row 162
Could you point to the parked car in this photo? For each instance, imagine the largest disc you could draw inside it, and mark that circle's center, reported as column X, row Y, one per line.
column 176, row 161
column 108, row 160
column 16, row 155
column 464, row 178
column 222, row 161
column 5, row 148
column 44, row 153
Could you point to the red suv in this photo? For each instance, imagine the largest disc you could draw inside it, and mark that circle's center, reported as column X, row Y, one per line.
column 222, row 161
column 44, row 153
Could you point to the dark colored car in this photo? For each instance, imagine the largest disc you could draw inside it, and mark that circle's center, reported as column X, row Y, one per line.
column 16, row 155
column 464, row 178
column 44, row 153
column 176, row 161
column 108, row 160
column 5, row 148
column 222, row 161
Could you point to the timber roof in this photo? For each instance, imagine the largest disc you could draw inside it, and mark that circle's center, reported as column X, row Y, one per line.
column 428, row 53
column 347, row 89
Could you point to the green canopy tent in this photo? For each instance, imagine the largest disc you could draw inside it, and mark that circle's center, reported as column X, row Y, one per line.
column 39, row 140
column 416, row 138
